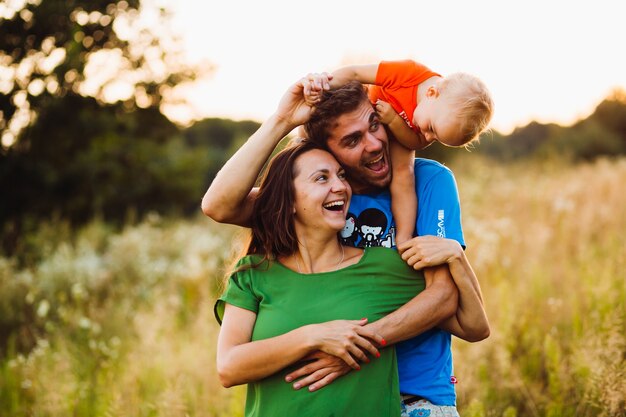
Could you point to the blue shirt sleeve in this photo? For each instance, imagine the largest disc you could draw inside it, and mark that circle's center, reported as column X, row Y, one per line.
column 439, row 208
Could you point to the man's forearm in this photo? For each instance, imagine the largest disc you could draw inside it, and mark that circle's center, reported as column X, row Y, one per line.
column 433, row 305
column 470, row 320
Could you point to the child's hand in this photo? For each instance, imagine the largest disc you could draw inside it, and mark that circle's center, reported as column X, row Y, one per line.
column 385, row 111
column 313, row 89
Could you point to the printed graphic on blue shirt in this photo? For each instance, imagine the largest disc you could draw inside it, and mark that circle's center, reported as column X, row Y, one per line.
column 369, row 229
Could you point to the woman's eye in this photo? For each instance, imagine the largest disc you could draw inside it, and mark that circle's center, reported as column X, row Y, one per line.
column 342, row 175
column 321, row 178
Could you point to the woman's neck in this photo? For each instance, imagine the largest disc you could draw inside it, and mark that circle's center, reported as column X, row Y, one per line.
column 316, row 254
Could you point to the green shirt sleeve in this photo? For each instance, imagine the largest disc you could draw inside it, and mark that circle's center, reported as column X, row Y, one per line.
column 239, row 291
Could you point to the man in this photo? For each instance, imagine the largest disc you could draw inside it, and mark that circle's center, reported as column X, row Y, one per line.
column 346, row 124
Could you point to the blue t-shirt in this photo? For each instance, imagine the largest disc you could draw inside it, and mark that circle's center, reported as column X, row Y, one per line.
column 425, row 361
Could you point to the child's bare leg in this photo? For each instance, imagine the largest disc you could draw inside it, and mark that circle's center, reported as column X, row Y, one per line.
column 403, row 198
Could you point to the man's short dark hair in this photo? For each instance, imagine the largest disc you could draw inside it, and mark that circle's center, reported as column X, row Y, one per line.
column 333, row 104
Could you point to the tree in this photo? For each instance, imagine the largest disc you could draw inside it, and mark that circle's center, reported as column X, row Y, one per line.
column 112, row 50
column 611, row 113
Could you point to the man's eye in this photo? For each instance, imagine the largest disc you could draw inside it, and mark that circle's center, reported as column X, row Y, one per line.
column 374, row 126
column 353, row 142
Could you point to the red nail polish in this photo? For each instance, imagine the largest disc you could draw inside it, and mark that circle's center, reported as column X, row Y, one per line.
column 383, row 342
column 378, row 354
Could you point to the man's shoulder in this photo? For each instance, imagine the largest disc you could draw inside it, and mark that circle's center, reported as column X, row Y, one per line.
column 430, row 167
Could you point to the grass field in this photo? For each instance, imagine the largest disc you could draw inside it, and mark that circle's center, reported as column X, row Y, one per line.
column 97, row 322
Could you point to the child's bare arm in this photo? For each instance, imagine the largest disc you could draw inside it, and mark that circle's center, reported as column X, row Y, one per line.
column 318, row 82
column 363, row 73
column 403, row 197
column 401, row 131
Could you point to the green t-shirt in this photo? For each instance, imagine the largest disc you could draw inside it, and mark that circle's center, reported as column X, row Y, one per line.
column 285, row 300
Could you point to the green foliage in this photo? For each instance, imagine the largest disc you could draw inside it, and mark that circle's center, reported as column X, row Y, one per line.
column 82, row 160
column 221, row 137
column 54, row 42
column 603, row 133
column 584, row 141
column 611, row 113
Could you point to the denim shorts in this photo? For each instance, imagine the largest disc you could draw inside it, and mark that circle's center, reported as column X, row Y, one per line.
column 424, row 408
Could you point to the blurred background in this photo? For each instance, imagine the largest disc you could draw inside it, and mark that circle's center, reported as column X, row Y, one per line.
column 116, row 115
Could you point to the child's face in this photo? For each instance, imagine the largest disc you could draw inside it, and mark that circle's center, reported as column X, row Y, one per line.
column 436, row 118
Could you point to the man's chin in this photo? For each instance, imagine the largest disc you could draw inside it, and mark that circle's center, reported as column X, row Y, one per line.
column 381, row 178
column 369, row 181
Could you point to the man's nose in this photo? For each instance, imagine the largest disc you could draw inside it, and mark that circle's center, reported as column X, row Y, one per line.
column 373, row 144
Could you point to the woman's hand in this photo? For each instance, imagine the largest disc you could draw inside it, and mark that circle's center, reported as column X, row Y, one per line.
column 424, row 251
column 346, row 339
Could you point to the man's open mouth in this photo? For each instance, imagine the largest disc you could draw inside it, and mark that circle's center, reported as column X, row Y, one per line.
column 377, row 164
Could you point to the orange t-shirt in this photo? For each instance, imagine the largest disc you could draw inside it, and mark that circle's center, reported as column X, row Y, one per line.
column 396, row 83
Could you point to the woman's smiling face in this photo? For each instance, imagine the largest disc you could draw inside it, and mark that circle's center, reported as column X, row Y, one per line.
column 322, row 193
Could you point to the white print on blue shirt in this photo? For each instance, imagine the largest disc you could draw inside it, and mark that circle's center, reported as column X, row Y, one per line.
column 441, row 228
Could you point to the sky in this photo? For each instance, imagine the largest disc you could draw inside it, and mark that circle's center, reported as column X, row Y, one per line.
column 549, row 61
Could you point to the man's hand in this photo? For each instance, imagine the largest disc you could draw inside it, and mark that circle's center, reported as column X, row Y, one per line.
column 323, row 370
column 425, row 251
column 385, row 111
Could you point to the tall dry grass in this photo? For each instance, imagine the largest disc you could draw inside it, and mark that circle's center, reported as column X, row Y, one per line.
column 108, row 323
column 547, row 242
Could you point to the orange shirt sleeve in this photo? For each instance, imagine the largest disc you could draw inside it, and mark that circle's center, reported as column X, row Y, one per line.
column 397, row 83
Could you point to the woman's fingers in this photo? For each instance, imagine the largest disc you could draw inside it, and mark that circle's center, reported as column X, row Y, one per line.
column 349, row 340
column 349, row 360
column 366, row 339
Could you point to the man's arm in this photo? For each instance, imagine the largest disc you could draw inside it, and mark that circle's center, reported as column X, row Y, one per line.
column 241, row 360
column 470, row 319
column 230, row 197
column 436, row 303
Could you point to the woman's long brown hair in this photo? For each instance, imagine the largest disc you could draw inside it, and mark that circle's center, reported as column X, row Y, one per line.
column 272, row 224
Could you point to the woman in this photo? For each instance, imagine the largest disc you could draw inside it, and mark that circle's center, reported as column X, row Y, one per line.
column 300, row 291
